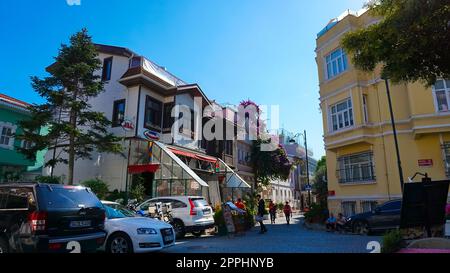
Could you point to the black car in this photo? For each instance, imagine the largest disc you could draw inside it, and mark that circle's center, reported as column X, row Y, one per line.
column 50, row 218
column 384, row 217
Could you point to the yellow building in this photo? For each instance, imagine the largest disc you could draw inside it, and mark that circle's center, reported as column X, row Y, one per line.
column 359, row 142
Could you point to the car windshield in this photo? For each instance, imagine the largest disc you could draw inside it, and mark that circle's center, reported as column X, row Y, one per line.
column 118, row 211
column 67, row 197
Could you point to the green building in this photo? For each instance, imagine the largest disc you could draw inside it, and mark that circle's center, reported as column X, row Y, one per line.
column 13, row 165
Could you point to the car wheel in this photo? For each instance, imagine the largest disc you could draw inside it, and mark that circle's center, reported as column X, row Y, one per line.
column 180, row 231
column 197, row 233
column 3, row 246
column 119, row 243
column 361, row 228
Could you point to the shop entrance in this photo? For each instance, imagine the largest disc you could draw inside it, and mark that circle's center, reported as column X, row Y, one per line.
column 146, row 179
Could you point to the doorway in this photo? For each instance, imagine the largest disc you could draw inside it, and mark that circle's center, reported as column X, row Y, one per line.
column 146, row 179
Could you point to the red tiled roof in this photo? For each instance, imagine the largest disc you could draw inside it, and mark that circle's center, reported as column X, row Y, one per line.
column 13, row 101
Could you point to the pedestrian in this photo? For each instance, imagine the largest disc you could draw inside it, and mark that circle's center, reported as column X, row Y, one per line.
column 287, row 212
column 331, row 223
column 261, row 212
column 240, row 204
column 341, row 222
column 272, row 212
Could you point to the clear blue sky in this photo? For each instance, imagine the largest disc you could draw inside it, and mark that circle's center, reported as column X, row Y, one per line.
column 234, row 49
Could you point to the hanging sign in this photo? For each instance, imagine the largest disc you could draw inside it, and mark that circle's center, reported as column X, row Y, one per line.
column 152, row 135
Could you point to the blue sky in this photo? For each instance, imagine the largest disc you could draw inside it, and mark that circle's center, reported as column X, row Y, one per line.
column 236, row 49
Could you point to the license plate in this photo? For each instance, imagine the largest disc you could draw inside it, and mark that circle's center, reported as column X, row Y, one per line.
column 206, row 212
column 78, row 224
column 168, row 238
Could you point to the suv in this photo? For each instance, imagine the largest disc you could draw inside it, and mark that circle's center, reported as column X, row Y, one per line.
column 191, row 214
column 384, row 217
column 50, row 218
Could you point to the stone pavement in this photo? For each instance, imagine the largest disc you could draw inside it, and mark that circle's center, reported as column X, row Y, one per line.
column 280, row 238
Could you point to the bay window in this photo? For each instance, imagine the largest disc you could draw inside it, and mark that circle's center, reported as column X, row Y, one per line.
column 342, row 115
column 336, row 63
column 153, row 113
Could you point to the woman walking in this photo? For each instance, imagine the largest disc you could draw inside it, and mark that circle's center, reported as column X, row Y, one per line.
column 272, row 212
column 287, row 212
column 260, row 215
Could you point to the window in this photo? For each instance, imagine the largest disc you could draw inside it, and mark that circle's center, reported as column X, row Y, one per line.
column 118, row 113
column 153, row 113
column 348, row 208
column 446, row 149
column 366, row 113
column 168, row 120
column 135, row 62
column 441, row 90
column 356, row 168
column 342, row 115
column 336, row 63
column 26, row 144
column 107, row 68
column 6, row 136
column 368, row 206
column 229, row 147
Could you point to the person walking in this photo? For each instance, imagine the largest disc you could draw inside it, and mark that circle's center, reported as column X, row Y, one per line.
column 261, row 212
column 272, row 212
column 287, row 212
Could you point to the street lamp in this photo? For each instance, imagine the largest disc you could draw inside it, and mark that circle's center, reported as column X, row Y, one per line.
column 292, row 140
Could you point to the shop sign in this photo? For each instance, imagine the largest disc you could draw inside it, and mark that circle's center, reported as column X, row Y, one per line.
column 425, row 162
column 127, row 125
column 152, row 135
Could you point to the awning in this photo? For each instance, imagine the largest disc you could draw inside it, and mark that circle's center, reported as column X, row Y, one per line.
column 193, row 155
column 180, row 163
column 147, row 168
column 233, row 180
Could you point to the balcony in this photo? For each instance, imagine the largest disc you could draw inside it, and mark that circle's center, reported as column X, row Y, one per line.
column 146, row 72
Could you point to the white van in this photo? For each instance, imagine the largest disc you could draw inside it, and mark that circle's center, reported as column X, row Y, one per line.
column 191, row 214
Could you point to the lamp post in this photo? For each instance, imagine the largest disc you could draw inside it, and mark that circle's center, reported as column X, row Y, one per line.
column 307, row 163
column 399, row 163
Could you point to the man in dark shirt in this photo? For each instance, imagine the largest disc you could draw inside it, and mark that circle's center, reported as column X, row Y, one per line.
column 261, row 212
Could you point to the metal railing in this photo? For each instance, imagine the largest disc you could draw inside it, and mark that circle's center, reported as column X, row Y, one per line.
column 356, row 174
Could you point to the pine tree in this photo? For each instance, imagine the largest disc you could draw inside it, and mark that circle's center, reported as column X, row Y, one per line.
column 73, row 127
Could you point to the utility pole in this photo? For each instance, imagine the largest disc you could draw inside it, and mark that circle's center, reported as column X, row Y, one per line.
column 399, row 163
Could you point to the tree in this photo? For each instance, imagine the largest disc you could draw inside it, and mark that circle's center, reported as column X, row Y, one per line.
column 320, row 186
column 411, row 42
column 268, row 165
column 73, row 127
column 99, row 187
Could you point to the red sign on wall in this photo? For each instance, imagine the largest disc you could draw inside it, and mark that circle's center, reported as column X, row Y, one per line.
column 425, row 162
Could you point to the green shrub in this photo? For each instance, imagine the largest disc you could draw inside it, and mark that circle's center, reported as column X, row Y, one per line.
column 318, row 213
column 392, row 242
column 116, row 195
column 138, row 192
column 280, row 206
column 49, row 179
column 219, row 221
column 99, row 187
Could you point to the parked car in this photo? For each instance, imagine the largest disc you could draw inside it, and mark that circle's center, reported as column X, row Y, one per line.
column 191, row 214
column 50, row 218
column 385, row 217
column 130, row 233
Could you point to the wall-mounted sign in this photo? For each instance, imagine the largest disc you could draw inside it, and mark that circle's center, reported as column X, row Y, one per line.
column 331, row 193
column 152, row 135
column 425, row 162
column 127, row 125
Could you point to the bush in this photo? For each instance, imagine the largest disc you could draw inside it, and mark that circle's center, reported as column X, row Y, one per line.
column 392, row 242
column 138, row 192
column 49, row 179
column 220, row 222
column 280, row 206
column 317, row 214
column 99, row 187
column 116, row 195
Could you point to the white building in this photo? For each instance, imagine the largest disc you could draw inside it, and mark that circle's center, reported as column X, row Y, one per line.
column 139, row 98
